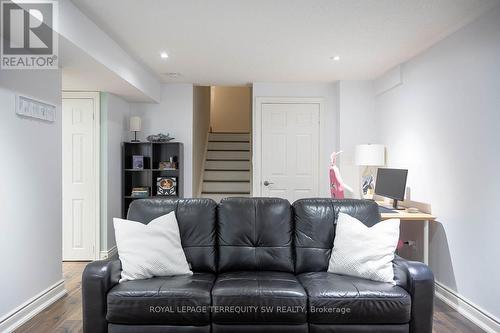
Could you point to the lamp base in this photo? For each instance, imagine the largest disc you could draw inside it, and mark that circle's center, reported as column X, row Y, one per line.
column 135, row 137
column 367, row 184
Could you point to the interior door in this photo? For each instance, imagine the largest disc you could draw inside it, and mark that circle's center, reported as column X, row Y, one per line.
column 290, row 150
column 79, row 179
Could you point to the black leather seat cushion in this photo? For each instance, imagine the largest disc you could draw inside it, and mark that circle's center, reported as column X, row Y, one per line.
column 176, row 300
column 368, row 302
column 278, row 292
column 255, row 234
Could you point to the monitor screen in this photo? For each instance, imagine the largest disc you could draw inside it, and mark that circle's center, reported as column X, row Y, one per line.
column 391, row 183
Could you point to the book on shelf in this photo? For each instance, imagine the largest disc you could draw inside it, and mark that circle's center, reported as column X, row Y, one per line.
column 140, row 195
column 140, row 192
column 140, row 189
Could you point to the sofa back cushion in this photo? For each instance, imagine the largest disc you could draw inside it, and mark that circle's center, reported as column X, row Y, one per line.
column 255, row 234
column 197, row 225
column 315, row 221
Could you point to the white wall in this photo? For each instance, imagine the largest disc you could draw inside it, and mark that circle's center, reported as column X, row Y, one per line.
column 201, row 126
column 357, row 125
column 174, row 115
column 231, row 109
column 115, row 113
column 443, row 124
column 328, row 125
column 31, row 191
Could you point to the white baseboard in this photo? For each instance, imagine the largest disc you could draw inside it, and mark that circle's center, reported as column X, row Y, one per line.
column 32, row 307
column 109, row 253
column 469, row 310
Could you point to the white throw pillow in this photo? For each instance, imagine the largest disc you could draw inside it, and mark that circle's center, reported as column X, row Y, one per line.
column 148, row 250
column 362, row 251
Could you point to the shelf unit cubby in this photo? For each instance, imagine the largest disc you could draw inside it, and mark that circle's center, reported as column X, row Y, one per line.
column 153, row 153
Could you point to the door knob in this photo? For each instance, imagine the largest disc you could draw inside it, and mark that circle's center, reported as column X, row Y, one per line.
column 266, row 183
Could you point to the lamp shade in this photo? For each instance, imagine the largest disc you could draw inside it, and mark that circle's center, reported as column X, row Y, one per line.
column 370, row 155
column 135, row 124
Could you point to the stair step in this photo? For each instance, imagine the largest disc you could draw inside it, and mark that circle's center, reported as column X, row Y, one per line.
column 227, row 145
column 228, row 155
column 227, row 175
column 226, row 187
column 219, row 196
column 227, row 165
column 229, row 137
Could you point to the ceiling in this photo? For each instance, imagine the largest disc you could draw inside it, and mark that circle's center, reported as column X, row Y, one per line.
column 234, row 42
column 83, row 73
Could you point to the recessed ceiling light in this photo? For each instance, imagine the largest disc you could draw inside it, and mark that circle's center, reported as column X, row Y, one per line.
column 335, row 58
column 172, row 74
column 164, row 55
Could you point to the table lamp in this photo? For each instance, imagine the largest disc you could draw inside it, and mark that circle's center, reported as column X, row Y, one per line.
column 135, row 126
column 370, row 156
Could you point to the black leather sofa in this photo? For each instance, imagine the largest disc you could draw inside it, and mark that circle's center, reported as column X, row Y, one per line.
column 259, row 266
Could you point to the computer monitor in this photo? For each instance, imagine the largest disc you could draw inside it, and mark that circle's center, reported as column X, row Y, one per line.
column 391, row 183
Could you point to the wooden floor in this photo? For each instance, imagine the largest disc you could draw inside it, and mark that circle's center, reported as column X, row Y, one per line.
column 66, row 314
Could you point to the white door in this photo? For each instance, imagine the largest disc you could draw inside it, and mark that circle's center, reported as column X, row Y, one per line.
column 290, row 150
column 80, row 179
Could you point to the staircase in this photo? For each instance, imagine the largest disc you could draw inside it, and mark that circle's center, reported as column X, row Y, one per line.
column 227, row 166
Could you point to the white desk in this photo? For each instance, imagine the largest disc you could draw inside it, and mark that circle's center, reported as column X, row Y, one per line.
column 403, row 215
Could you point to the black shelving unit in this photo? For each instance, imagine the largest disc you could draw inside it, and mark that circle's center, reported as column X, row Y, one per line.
column 153, row 153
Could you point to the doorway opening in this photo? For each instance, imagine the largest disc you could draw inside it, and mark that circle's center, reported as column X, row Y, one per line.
column 226, row 165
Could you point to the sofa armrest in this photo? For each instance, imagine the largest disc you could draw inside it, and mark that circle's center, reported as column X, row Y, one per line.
column 417, row 278
column 97, row 279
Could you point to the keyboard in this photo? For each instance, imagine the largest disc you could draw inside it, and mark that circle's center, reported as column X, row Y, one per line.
column 383, row 210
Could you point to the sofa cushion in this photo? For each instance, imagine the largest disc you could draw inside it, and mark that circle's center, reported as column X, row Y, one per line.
column 197, row 220
column 354, row 328
column 364, row 252
column 117, row 328
column 267, row 297
column 341, row 299
column 315, row 228
column 176, row 300
column 149, row 250
column 255, row 234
